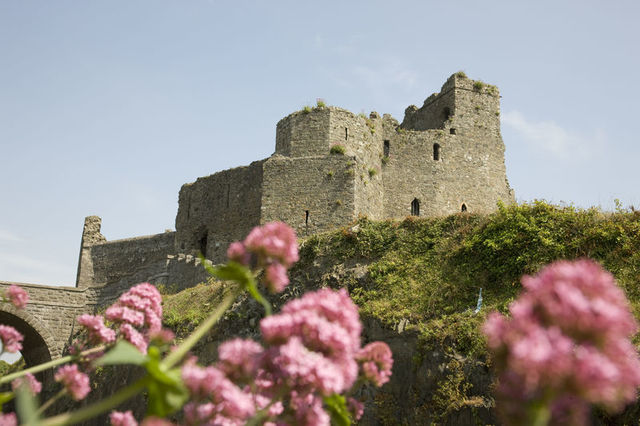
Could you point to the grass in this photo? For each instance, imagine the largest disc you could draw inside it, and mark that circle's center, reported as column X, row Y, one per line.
column 337, row 149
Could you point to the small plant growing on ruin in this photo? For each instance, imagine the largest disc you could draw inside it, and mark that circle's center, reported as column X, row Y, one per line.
column 338, row 202
column 385, row 160
column 497, row 113
column 306, row 109
column 400, row 130
column 477, row 108
column 461, row 74
column 362, row 115
column 478, row 85
column 330, row 174
column 372, row 172
column 337, row 149
column 320, row 103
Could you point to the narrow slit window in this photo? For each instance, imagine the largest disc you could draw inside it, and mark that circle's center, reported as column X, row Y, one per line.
column 386, row 149
column 346, row 133
column 446, row 113
column 436, row 152
column 203, row 244
column 463, row 208
column 415, row 207
column 306, row 218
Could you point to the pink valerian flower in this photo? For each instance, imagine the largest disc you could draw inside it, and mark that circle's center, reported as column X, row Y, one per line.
column 274, row 240
column 308, row 410
column 119, row 418
column 276, row 277
column 29, row 380
column 8, row 419
column 210, row 384
column 134, row 337
column 355, row 407
column 238, row 359
column 376, row 361
column 156, row 421
column 75, row 382
column 17, row 296
column 98, row 332
column 11, row 339
column 568, row 337
column 238, row 253
column 139, row 313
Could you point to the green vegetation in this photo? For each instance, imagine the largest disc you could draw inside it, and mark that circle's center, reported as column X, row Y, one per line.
column 306, row 109
column 320, row 104
column 425, row 274
column 372, row 172
column 337, row 149
column 384, row 160
column 478, row 85
column 461, row 74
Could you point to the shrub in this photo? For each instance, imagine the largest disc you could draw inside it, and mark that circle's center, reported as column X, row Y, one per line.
column 337, row 149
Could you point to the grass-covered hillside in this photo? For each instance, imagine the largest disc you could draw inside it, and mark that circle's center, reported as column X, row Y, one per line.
column 424, row 274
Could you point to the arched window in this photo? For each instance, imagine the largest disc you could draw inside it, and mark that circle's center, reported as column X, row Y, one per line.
column 463, row 208
column 436, row 152
column 446, row 113
column 415, row 207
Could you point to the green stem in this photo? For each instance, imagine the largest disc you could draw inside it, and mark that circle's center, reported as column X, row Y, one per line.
column 41, row 367
column 174, row 357
column 48, row 404
column 97, row 408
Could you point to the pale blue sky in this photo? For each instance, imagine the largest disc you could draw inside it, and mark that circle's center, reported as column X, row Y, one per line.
column 108, row 107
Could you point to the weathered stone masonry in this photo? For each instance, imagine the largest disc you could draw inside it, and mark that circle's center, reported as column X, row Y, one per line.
column 445, row 157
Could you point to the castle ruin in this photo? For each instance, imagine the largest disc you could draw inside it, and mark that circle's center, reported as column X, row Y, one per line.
column 329, row 167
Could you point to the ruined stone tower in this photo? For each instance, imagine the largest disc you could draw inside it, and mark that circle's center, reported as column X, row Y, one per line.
column 329, row 167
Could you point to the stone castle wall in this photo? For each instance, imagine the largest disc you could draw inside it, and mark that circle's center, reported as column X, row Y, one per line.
column 447, row 156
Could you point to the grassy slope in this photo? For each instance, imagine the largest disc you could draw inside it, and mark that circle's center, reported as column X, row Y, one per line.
column 426, row 272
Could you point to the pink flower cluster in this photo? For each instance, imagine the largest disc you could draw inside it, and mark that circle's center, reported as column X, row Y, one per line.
column 568, row 337
column 118, row 418
column 312, row 350
column 74, row 381
column 11, row 339
column 17, row 296
column 29, row 380
column 274, row 247
column 8, row 419
column 139, row 315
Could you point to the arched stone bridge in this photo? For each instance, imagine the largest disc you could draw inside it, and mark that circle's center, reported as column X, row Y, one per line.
column 48, row 320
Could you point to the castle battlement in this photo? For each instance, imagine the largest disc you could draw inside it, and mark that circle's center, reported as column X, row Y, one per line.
column 445, row 157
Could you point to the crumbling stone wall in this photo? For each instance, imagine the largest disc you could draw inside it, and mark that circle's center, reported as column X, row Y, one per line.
column 218, row 209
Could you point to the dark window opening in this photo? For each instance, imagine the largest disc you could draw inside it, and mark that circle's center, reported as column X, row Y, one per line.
column 446, row 113
column 436, row 152
column 202, row 244
column 415, row 207
column 452, row 131
column 228, row 188
column 387, row 148
column 346, row 133
column 306, row 218
column 463, row 208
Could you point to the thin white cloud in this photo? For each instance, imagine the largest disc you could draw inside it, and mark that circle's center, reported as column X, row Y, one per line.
column 551, row 138
column 23, row 268
column 6, row 236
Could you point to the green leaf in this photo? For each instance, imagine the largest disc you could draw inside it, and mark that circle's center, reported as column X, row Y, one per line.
column 123, row 353
column 337, row 407
column 5, row 397
column 167, row 394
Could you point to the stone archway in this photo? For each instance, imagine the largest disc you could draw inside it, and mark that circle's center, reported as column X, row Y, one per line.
column 38, row 344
